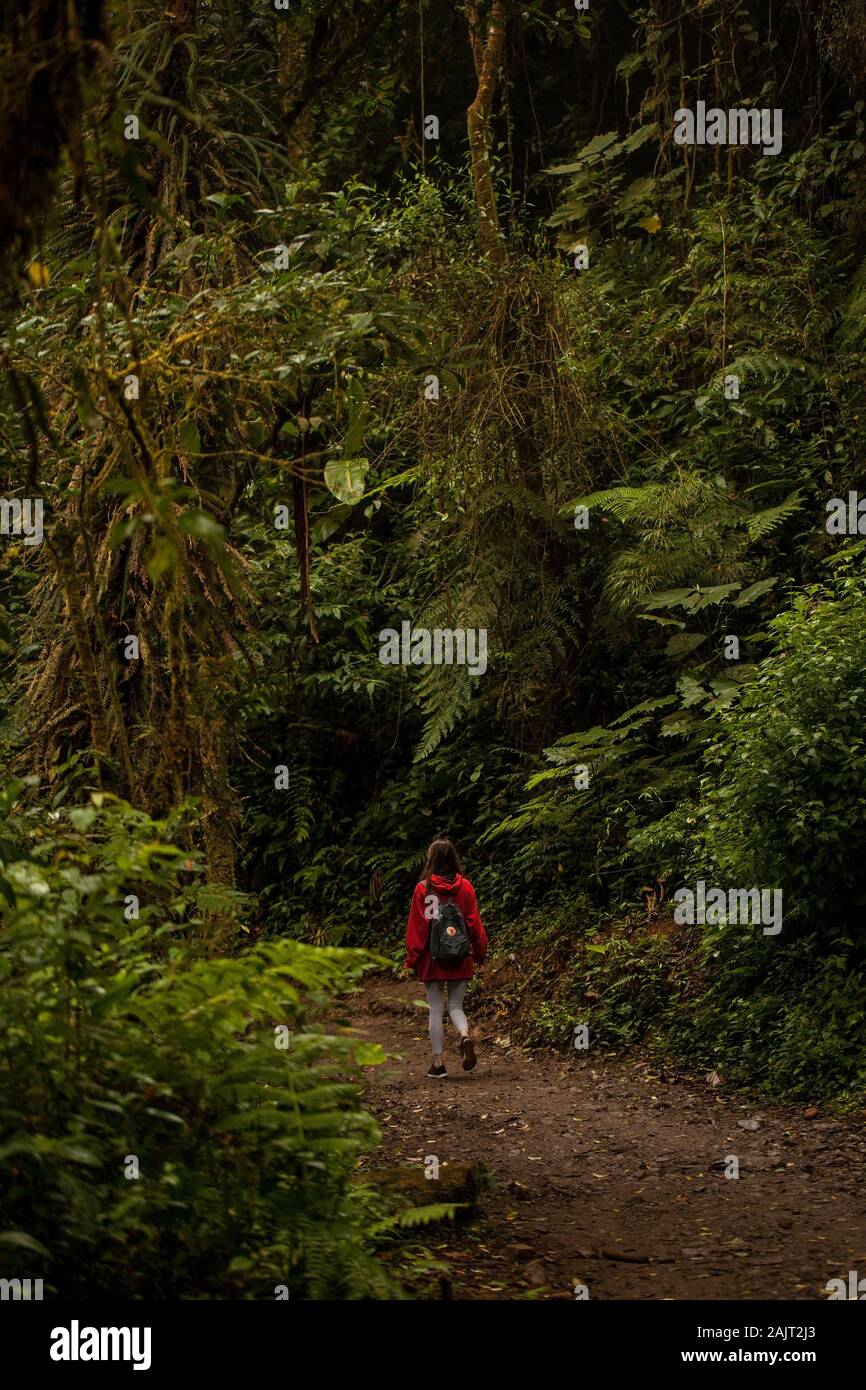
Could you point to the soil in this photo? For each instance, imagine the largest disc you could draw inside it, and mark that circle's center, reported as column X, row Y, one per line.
column 608, row 1171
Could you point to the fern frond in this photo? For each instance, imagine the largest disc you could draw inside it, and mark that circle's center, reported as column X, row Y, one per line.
column 416, row 1216
column 763, row 522
column 446, row 694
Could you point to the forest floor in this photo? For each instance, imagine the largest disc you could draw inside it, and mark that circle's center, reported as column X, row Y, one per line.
column 608, row 1171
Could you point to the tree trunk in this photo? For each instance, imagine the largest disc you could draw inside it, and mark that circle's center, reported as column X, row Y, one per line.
column 487, row 56
column 48, row 53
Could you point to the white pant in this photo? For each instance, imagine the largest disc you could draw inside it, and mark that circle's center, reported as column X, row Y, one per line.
column 436, row 1004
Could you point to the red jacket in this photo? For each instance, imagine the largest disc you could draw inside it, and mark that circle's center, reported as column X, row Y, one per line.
column 418, row 958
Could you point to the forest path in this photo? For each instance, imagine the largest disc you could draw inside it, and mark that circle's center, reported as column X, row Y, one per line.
column 610, row 1171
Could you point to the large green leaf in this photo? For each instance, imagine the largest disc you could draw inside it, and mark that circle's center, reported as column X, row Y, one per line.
column 684, row 642
column 345, row 478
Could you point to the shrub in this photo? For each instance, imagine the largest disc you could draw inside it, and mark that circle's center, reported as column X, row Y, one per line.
column 789, row 811
column 212, row 1079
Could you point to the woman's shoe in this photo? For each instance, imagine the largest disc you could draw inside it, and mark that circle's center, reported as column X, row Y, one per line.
column 467, row 1052
column 437, row 1072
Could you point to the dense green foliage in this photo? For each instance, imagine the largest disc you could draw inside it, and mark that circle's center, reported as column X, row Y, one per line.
column 173, row 1126
column 789, row 804
column 285, row 374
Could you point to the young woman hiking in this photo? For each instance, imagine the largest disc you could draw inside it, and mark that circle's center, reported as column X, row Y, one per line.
column 444, row 935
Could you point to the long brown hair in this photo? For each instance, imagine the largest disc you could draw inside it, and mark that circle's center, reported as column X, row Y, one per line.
column 442, row 859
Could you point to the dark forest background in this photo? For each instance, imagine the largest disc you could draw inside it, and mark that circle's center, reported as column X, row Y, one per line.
column 285, row 372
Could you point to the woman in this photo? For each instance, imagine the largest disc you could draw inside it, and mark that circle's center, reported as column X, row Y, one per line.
column 442, row 885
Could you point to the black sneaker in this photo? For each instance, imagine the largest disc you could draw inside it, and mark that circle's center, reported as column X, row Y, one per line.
column 437, row 1072
column 467, row 1052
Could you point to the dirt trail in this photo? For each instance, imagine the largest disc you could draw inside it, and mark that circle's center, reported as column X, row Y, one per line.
column 611, row 1172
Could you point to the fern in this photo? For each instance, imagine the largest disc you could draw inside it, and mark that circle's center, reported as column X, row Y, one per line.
column 764, row 367
column 302, row 800
column 416, row 1216
column 446, row 694
column 688, row 532
column 762, row 523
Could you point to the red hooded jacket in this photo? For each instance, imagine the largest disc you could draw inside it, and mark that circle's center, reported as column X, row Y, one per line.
column 459, row 891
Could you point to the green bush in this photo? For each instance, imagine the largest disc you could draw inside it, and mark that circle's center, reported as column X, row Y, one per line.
column 627, row 986
column 785, row 1013
column 212, row 1078
column 775, row 1018
column 789, row 810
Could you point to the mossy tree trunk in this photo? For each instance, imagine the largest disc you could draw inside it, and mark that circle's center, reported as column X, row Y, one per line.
column 487, row 51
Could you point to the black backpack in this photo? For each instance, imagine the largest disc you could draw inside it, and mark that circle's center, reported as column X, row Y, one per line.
column 449, row 939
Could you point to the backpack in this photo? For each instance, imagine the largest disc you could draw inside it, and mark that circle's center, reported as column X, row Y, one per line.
column 449, row 939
